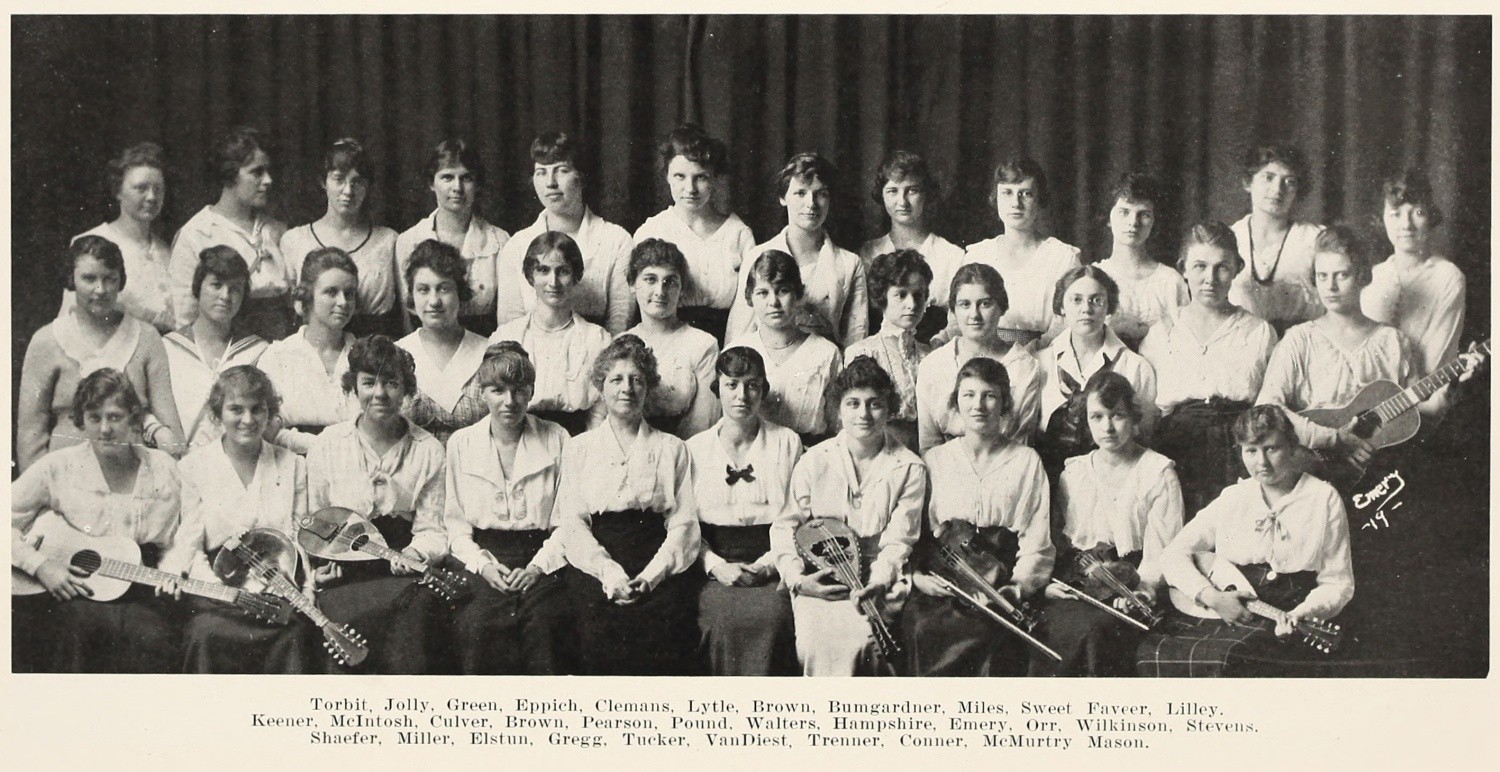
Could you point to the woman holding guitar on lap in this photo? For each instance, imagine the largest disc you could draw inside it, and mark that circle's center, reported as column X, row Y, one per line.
column 868, row 479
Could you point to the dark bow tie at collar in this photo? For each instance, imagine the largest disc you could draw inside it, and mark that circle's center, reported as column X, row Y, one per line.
column 735, row 475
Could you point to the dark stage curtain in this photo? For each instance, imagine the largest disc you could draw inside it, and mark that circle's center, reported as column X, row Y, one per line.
column 1089, row 97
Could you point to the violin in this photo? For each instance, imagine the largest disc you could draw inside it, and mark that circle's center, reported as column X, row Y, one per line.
column 972, row 574
column 829, row 543
column 1097, row 581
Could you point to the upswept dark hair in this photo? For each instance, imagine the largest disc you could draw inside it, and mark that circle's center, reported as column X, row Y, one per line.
column 1210, row 233
column 455, row 152
column 1262, row 421
column 901, row 165
column 985, row 276
column 892, row 269
column 693, row 143
column 990, row 371
column 546, row 243
column 147, row 154
column 739, row 362
column 862, row 373
column 221, row 261
column 1114, row 392
column 656, row 253
column 442, row 259
column 102, row 385
column 506, row 365
column 1411, row 186
column 318, row 262
column 1015, row 170
column 249, row 381
column 626, row 348
column 1111, row 288
column 347, row 154
column 99, row 248
column 1345, row 240
column 775, row 267
column 379, row 356
column 1290, row 156
column 235, row 149
column 555, row 147
column 807, row 166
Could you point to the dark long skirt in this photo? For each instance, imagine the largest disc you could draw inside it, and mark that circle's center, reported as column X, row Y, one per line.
column 219, row 639
column 946, row 638
column 510, row 633
column 1091, row 641
column 133, row 634
column 746, row 631
column 657, row 635
column 1198, row 437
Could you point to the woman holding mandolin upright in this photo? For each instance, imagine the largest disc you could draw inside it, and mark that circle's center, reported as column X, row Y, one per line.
column 502, row 480
column 870, row 483
column 388, row 469
column 110, row 486
column 989, row 510
column 230, row 485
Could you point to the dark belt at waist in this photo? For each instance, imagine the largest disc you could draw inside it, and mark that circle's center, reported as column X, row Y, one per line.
column 1213, row 406
column 737, row 543
column 513, row 548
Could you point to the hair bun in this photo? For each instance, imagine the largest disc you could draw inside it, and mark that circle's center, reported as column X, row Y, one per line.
column 505, row 346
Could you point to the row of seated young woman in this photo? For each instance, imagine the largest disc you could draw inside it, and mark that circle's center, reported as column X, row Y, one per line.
column 618, row 552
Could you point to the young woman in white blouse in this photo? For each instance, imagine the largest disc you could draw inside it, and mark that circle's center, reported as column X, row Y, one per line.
column 1121, row 504
column 986, row 484
column 213, row 343
column 899, row 285
column 238, row 220
column 447, row 354
column 1030, row 261
column 348, row 172
column 713, row 242
column 502, row 482
column 744, row 613
column 562, row 176
column 1083, row 298
column 229, row 486
column 137, row 181
column 1210, row 356
column 1277, row 284
column 110, row 485
column 835, row 304
column 308, row 367
column 1414, row 290
column 799, row 364
column 562, row 344
column 1149, row 290
column 683, row 403
column 907, row 191
column 456, row 176
column 388, row 469
column 869, row 480
column 977, row 300
column 630, row 529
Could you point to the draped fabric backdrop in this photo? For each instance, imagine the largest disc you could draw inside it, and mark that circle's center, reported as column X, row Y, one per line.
column 1089, row 97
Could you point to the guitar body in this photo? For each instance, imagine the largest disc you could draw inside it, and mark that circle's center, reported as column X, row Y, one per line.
column 1393, row 432
column 53, row 537
column 274, row 548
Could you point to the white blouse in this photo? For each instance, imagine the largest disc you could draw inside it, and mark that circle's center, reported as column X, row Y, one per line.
column 836, row 291
column 886, row 503
column 685, row 360
column 564, row 361
column 147, row 294
column 480, row 251
column 1230, row 364
column 899, row 353
column 713, row 262
column 270, row 276
column 1307, row 530
column 655, row 475
column 1144, row 302
column 1426, row 303
column 70, row 483
column 1309, row 370
column 216, row 504
column 797, row 384
column 1139, row 511
column 343, row 470
column 937, row 376
column 603, row 296
column 444, row 382
column 942, row 256
column 1287, row 295
column 1012, row 493
column 1029, row 283
column 310, row 395
column 770, row 458
column 479, row 495
column 193, row 378
column 375, row 261
column 1062, row 359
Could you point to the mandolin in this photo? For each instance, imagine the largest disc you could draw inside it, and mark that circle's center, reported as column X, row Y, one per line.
column 825, row 542
column 265, row 558
column 1319, row 634
column 336, row 533
column 113, row 563
column 1383, row 413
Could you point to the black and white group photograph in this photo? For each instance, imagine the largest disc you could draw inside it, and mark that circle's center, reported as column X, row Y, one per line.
column 1025, row 346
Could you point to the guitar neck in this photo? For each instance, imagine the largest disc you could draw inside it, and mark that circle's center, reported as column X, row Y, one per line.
column 391, row 556
column 1423, row 389
column 130, row 572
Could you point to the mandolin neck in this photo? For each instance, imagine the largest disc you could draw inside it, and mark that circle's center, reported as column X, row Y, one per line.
column 393, row 557
column 130, row 572
column 1261, row 608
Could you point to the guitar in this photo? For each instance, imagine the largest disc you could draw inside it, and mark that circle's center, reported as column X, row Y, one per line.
column 828, row 543
column 1383, row 412
column 113, row 563
column 263, row 557
column 1319, row 634
column 336, row 533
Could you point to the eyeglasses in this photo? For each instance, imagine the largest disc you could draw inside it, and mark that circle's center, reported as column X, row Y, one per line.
column 1095, row 301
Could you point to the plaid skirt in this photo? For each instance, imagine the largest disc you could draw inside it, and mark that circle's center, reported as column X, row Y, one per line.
column 1189, row 647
